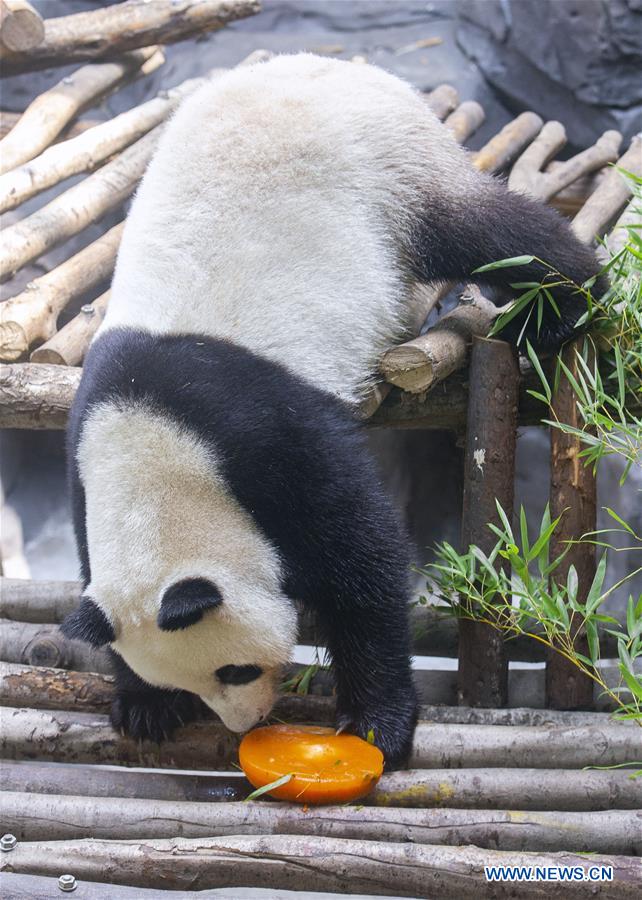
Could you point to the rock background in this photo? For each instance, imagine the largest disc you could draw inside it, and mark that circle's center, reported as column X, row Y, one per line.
column 423, row 468
column 579, row 61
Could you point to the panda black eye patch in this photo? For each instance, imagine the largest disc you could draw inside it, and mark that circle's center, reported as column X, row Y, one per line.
column 238, row 674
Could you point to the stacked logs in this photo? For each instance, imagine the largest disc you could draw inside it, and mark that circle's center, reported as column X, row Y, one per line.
column 510, row 782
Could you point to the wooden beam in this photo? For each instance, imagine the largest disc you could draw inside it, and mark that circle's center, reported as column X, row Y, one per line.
column 51, row 111
column 496, row 788
column 110, row 30
column 310, row 863
column 489, row 475
column 573, row 497
column 21, row 27
column 42, row 817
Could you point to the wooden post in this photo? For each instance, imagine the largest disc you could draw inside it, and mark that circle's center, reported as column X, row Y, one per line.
column 573, row 496
column 489, row 468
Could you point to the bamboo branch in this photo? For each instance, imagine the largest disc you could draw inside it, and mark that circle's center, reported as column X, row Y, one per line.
column 497, row 788
column 442, row 100
column 87, row 151
column 83, row 737
column 465, row 120
column 527, row 175
column 32, row 315
column 76, row 208
column 21, row 27
column 69, row 345
column 124, row 26
column 50, row 112
column 59, row 817
column 310, row 863
column 610, row 197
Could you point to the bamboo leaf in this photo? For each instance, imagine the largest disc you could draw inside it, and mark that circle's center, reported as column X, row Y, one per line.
column 272, row 786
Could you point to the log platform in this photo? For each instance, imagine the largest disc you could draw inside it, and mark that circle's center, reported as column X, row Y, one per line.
column 518, row 785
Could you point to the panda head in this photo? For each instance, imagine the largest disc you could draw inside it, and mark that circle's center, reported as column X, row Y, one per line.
column 197, row 643
column 184, row 586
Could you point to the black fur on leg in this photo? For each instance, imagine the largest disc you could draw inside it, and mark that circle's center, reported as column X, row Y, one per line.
column 459, row 234
column 143, row 712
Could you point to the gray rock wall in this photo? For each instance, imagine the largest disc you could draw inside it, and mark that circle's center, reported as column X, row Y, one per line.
column 579, row 61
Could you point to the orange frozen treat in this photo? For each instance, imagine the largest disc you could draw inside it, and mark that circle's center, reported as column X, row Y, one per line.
column 325, row 767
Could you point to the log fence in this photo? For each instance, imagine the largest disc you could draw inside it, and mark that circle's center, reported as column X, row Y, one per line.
column 489, row 781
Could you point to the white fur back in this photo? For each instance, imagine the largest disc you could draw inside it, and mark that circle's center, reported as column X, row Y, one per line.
column 276, row 213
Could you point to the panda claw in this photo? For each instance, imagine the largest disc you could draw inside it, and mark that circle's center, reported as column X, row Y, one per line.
column 152, row 715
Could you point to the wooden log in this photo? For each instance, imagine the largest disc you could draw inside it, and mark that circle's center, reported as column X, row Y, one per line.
column 434, row 632
column 496, row 788
column 50, row 112
column 43, row 687
column 527, row 175
column 442, row 100
column 506, row 788
column 311, row 864
column 611, row 196
column 573, row 496
column 76, row 208
column 69, row 345
column 21, row 27
column 90, row 149
column 571, row 199
column 31, row 316
column 26, row 887
column 465, row 120
column 489, row 477
column 84, row 737
column 417, row 365
column 39, row 396
column 124, row 26
column 507, row 144
column 9, row 119
column 41, row 817
column 52, row 688
column 44, row 645
column 38, row 601
column 36, row 396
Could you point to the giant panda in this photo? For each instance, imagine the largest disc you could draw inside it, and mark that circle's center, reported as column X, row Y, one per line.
column 219, row 477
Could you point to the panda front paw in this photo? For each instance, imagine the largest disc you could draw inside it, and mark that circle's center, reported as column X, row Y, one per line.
column 153, row 715
column 390, row 728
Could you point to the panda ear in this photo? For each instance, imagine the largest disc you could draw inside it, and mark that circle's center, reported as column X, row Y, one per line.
column 90, row 624
column 184, row 603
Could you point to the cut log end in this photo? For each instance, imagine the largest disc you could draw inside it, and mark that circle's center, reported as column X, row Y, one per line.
column 13, row 342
